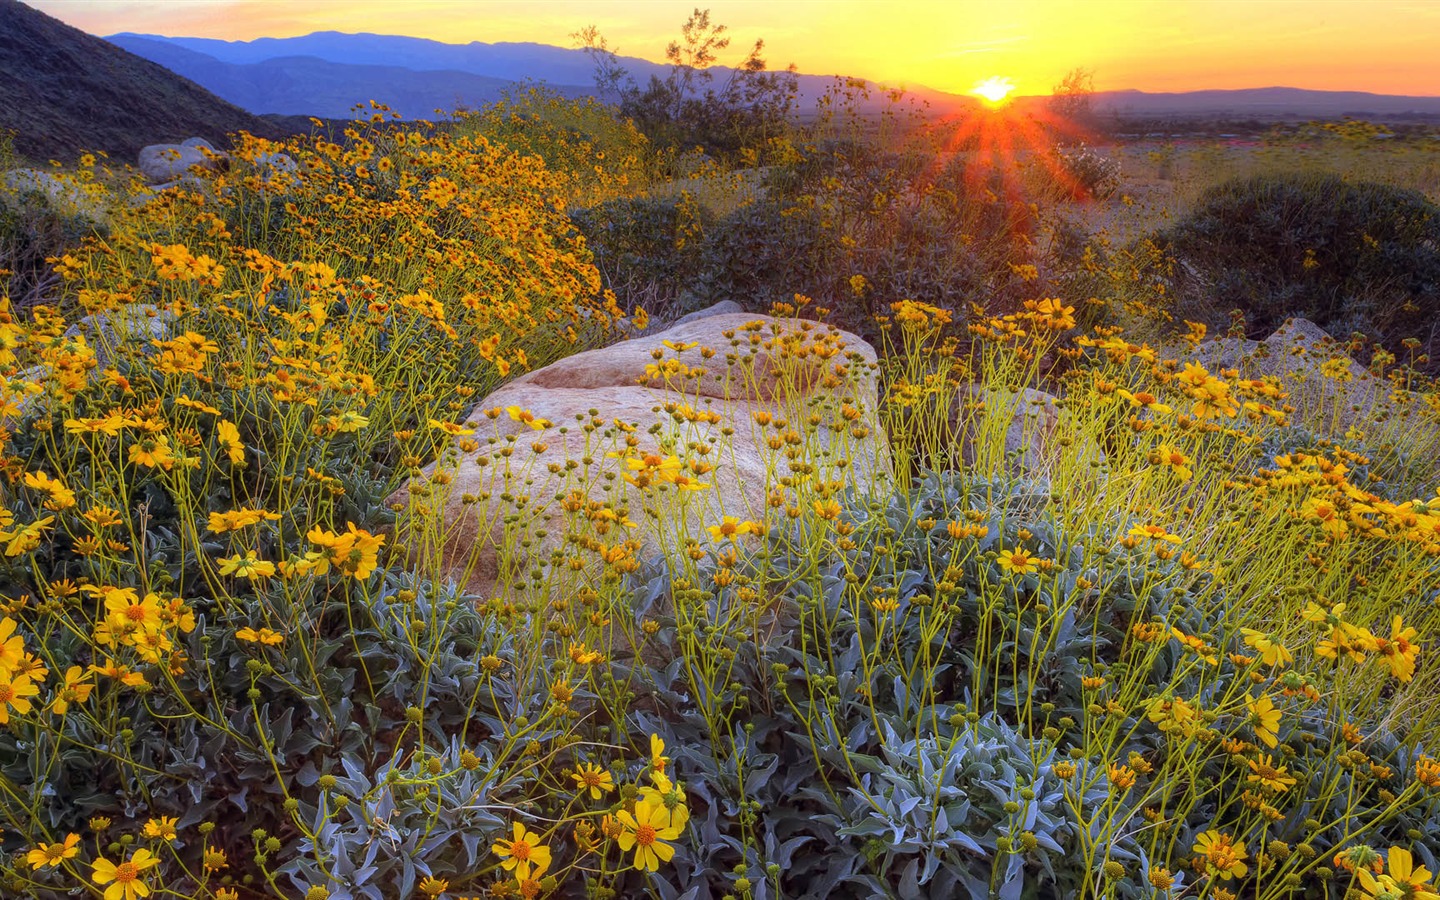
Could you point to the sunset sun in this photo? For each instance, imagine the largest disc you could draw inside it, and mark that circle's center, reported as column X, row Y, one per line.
column 994, row 90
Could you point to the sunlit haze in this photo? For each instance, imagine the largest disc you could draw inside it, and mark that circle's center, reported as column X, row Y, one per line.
column 1385, row 47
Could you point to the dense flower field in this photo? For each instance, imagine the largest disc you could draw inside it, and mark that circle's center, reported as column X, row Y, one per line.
column 1187, row 649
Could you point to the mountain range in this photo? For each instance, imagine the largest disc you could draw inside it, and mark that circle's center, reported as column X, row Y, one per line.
column 308, row 85
column 1267, row 103
column 324, row 73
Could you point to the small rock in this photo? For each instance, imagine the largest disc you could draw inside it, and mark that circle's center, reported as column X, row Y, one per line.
column 1329, row 390
column 1032, row 422
column 169, row 162
column 1223, row 353
column 104, row 332
column 275, row 162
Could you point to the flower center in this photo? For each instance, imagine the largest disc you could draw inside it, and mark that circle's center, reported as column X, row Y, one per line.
column 7, row 693
column 135, row 613
column 645, row 835
column 126, row 872
column 520, row 850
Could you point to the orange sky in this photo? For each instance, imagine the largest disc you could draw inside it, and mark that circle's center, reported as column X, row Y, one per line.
column 1386, row 46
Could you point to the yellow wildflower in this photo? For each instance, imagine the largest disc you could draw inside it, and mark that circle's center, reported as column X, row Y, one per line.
column 592, row 778
column 523, row 854
column 645, row 831
column 43, row 855
column 124, row 879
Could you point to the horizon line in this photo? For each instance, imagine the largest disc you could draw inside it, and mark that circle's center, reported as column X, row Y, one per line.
column 900, row 85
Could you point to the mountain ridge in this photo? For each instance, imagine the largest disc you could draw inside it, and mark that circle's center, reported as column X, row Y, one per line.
column 310, row 86
column 570, row 70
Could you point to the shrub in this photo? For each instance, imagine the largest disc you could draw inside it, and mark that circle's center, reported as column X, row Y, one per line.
column 649, row 250
column 688, row 107
column 1349, row 255
column 765, row 253
column 850, row 229
column 1082, row 171
column 909, row 229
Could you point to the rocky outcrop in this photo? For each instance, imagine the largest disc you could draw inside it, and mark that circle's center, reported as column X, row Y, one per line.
column 62, row 194
column 1324, row 383
column 586, row 467
column 164, row 164
column 1332, row 395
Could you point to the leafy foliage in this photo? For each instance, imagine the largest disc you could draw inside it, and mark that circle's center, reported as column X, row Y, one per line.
column 1349, row 255
column 830, row 213
column 688, row 108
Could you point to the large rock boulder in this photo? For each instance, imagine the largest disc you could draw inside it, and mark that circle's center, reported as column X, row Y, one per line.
column 1329, row 393
column 100, row 335
column 62, row 194
column 583, row 469
column 1323, row 382
column 165, row 163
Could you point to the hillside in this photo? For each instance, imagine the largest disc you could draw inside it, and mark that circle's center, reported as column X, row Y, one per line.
column 65, row 91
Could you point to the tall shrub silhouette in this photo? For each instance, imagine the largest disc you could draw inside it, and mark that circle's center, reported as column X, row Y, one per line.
column 1351, row 256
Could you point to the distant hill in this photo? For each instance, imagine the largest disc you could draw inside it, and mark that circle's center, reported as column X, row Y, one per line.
column 63, row 91
column 310, row 85
column 506, row 61
column 313, row 86
column 1265, row 103
column 261, row 75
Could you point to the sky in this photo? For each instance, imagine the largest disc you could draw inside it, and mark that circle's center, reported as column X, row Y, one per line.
column 1384, row 46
